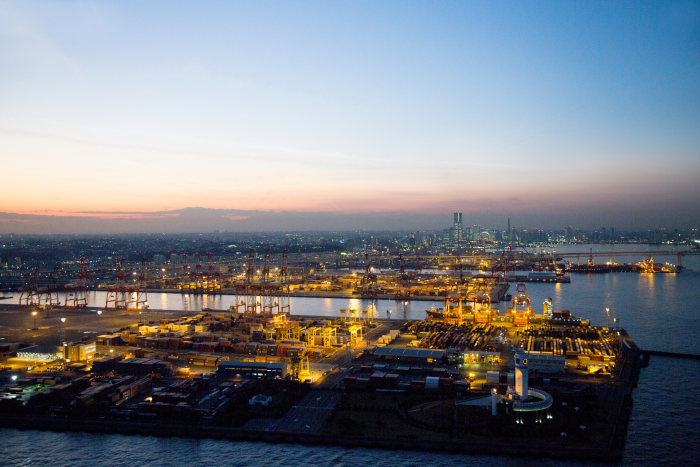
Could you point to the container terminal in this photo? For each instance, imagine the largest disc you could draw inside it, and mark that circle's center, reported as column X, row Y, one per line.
column 371, row 273
column 468, row 378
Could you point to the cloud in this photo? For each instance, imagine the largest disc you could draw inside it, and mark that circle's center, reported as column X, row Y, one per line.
column 33, row 44
column 22, row 221
column 130, row 215
column 198, row 219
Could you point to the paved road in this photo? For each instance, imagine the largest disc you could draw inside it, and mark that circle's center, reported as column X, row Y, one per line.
column 16, row 325
column 310, row 414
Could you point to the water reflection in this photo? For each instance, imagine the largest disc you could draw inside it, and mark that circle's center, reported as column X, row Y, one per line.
column 330, row 307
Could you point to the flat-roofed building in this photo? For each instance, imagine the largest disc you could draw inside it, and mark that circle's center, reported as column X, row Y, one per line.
column 251, row 370
column 79, row 351
column 546, row 363
column 409, row 354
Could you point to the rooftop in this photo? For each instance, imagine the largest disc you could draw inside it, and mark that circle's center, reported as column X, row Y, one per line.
column 408, row 352
column 253, row 365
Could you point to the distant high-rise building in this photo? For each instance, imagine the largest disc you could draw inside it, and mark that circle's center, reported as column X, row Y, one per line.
column 476, row 232
column 458, row 227
column 569, row 235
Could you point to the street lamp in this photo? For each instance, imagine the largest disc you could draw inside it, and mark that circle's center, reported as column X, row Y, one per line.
column 63, row 331
column 99, row 312
column 34, row 315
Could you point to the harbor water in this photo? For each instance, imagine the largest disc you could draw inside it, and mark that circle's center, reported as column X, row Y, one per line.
column 661, row 312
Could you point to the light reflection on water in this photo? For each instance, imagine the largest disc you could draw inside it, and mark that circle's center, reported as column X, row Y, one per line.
column 329, row 307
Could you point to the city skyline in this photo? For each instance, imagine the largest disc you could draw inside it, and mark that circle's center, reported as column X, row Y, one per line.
column 202, row 220
column 116, row 117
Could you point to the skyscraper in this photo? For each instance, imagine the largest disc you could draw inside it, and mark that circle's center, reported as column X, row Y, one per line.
column 457, row 228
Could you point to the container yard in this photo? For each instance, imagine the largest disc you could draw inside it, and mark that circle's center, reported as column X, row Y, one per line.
column 246, row 372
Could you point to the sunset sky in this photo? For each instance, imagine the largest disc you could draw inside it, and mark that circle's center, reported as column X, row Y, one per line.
column 580, row 113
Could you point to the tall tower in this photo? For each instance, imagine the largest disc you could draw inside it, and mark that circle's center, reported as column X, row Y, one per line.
column 458, row 226
column 521, row 374
column 508, row 237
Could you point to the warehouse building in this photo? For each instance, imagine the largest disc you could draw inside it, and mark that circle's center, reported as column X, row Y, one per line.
column 251, row 370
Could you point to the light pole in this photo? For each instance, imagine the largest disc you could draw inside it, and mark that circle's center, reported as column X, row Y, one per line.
column 607, row 311
column 99, row 313
column 34, row 316
column 63, row 331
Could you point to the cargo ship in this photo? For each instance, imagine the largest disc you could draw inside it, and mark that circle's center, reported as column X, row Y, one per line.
column 588, row 268
column 448, row 313
column 648, row 266
column 539, row 276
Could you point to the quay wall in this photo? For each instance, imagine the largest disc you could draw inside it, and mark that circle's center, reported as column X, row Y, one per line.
column 570, row 451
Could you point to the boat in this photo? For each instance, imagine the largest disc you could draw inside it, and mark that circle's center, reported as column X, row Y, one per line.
column 455, row 309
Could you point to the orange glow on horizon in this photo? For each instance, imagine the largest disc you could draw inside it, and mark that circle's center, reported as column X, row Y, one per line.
column 100, row 215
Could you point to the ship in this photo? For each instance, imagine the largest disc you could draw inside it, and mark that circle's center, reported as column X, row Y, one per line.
column 564, row 317
column 539, row 276
column 588, row 268
column 649, row 266
column 450, row 312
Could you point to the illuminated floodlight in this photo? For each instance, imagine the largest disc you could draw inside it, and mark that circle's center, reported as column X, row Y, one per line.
column 13, row 378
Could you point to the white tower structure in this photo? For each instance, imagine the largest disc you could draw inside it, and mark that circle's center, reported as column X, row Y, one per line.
column 521, row 375
column 495, row 398
column 548, row 308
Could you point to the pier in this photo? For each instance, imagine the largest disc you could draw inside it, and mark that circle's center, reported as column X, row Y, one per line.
column 660, row 353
